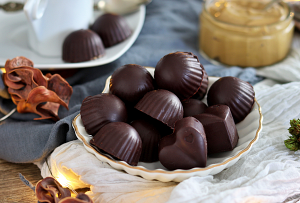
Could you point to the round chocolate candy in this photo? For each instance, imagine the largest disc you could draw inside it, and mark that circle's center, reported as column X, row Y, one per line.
column 120, row 140
column 233, row 92
column 130, row 83
column 180, row 73
column 112, row 29
column 99, row 110
column 162, row 105
column 82, row 45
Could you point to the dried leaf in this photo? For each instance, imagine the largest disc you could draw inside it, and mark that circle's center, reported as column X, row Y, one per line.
column 19, row 61
column 43, row 102
column 80, row 198
column 51, row 191
column 33, row 92
column 61, row 87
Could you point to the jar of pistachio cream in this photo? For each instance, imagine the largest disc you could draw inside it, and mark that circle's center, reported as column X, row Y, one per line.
column 242, row 33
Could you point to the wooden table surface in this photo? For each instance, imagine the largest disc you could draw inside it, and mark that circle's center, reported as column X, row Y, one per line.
column 12, row 189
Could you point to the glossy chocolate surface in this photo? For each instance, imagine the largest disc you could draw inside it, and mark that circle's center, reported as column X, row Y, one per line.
column 162, row 105
column 220, row 129
column 180, row 73
column 130, row 83
column 120, row 140
column 99, row 110
column 82, row 45
column 233, row 92
column 111, row 28
column 186, row 148
column 193, row 107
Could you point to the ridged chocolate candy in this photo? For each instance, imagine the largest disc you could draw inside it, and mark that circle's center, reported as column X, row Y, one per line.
column 220, row 129
column 99, row 110
column 162, row 105
column 130, row 83
column 120, row 140
column 180, row 73
column 186, row 148
column 112, row 29
column 150, row 135
column 233, row 92
column 82, row 45
column 193, row 107
column 203, row 88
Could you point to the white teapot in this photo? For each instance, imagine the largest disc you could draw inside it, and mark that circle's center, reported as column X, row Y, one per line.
column 50, row 21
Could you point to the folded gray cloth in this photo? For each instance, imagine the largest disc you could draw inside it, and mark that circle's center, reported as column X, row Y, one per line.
column 170, row 25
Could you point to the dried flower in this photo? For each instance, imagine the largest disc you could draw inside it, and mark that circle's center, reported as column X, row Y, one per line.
column 50, row 190
column 80, row 198
column 33, row 92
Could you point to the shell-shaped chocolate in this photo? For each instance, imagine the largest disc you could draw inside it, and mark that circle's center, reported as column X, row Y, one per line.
column 99, row 110
column 112, row 29
column 180, row 73
column 120, row 140
column 233, row 92
column 150, row 135
column 82, row 45
column 130, row 83
column 204, row 85
column 162, row 105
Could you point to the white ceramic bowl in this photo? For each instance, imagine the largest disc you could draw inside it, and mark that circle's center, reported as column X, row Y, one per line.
column 248, row 130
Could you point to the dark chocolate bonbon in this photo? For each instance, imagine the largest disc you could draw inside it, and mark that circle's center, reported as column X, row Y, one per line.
column 220, row 129
column 99, row 110
column 82, row 45
column 193, row 107
column 233, row 92
column 120, row 140
column 112, row 29
column 150, row 134
column 180, row 73
column 186, row 148
column 130, row 83
column 162, row 105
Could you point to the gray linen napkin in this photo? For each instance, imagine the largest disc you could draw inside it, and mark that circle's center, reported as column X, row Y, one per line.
column 170, row 25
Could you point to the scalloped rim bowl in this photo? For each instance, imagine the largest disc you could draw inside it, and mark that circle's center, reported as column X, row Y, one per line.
column 249, row 130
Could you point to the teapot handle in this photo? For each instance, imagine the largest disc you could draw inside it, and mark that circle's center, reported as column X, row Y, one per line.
column 34, row 9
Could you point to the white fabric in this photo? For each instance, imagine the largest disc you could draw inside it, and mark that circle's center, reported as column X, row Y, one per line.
column 269, row 173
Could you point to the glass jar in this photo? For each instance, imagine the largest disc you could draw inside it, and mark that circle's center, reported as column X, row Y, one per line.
column 238, row 41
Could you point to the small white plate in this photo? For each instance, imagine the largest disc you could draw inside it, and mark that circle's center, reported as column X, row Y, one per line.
column 248, row 130
column 13, row 42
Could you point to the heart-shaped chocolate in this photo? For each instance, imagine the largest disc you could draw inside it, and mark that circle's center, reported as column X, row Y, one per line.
column 186, row 147
column 220, row 129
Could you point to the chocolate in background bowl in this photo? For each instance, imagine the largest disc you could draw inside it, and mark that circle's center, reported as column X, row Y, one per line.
column 249, row 130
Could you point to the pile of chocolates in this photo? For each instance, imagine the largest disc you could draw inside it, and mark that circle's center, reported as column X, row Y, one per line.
column 146, row 119
column 85, row 45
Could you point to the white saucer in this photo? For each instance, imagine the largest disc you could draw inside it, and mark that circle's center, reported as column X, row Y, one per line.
column 13, row 42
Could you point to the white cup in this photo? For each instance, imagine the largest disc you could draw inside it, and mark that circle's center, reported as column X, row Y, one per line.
column 50, row 21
